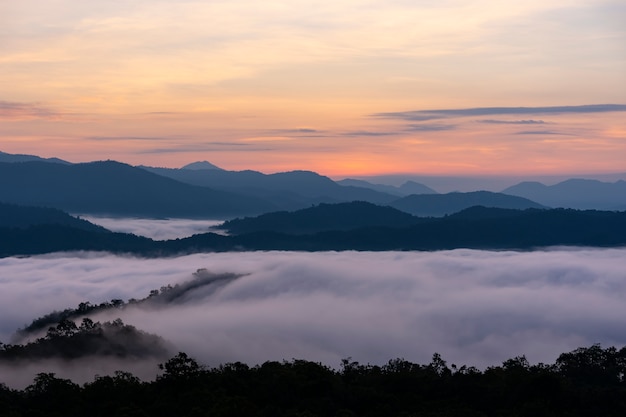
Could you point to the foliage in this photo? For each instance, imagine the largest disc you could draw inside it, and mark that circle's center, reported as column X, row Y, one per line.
column 166, row 294
column 476, row 227
column 586, row 381
column 66, row 340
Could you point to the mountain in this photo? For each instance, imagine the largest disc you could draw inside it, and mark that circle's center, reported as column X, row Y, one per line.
column 476, row 228
column 201, row 165
column 323, row 217
column 409, row 187
column 485, row 228
column 442, row 204
column 113, row 188
column 68, row 341
column 480, row 228
column 288, row 190
column 49, row 238
column 412, row 187
column 575, row 193
column 14, row 216
column 7, row 157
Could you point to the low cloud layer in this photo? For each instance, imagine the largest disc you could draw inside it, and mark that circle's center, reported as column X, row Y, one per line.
column 539, row 132
column 512, row 122
column 153, row 228
column 422, row 115
column 18, row 111
column 473, row 307
column 430, row 127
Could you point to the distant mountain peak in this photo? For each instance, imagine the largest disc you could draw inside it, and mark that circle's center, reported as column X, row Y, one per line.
column 11, row 158
column 576, row 193
column 412, row 187
column 409, row 187
column 199, row 165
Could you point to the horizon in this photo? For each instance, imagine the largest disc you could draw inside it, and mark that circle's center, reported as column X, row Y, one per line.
column 351, row 89
column 442, row 183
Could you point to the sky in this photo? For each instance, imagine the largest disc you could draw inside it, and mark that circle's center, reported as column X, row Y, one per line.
column 473, row 307
column 344, row 88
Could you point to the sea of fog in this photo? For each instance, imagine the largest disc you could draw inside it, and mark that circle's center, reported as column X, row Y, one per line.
column 473, row 307
column 158, row 229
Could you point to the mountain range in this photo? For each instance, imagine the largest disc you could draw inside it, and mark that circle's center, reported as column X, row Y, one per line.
column 113, row 188
column 288, row 190
column 442, row 204
column 407, row 188
column 204, row 190
column 323, row 217
column 14, row 216
column 574, row 193
column 476, row 228
column 7, row 157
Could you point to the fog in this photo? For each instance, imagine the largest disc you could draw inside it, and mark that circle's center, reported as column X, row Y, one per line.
column 158, row 229
column 473, row 307
column 80, row 371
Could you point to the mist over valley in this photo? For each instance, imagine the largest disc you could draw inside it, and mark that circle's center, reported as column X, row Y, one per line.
column 198, row 272
column 473, row 307
column 329, row 209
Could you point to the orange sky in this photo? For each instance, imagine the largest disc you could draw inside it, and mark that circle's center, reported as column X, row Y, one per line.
column 342, row 88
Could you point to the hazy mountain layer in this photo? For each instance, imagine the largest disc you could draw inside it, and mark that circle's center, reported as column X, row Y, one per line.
column 113, row 188
column 408, row 188
column 117, row 191
column 287, row 190
column 9, row 158
column 201, row 165
column 575, row 193
column 342, row 216
column 442, row 204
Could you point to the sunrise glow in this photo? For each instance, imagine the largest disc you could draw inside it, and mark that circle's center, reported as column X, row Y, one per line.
column 342, row 88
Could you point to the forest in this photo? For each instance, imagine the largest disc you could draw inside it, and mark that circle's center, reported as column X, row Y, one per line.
column 475, row 228
column 588, row 381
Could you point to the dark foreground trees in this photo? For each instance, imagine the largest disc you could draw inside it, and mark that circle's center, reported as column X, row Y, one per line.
column 586, row 382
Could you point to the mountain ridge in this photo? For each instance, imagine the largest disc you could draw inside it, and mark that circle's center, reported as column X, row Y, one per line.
column 13, row 158
column 577, row 193
column 474, row 228
column 110, row 187
column 323, row 217
column 199, row 165
column 407, row 188
column 291, row 190
column 248, row 192
column 441, row 204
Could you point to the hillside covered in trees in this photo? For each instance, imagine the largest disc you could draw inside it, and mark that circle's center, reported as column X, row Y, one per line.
column 348, row 226
column 585, row 382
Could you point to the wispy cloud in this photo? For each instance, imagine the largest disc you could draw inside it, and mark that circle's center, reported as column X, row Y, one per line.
column 368, row 133
column 132, row 138
column 15, row 111
column 430, row 127
column 302, row 130
column 206, row 147
column 511, row 122
column 421, row 115
column 539, row 132
column 297, row 132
